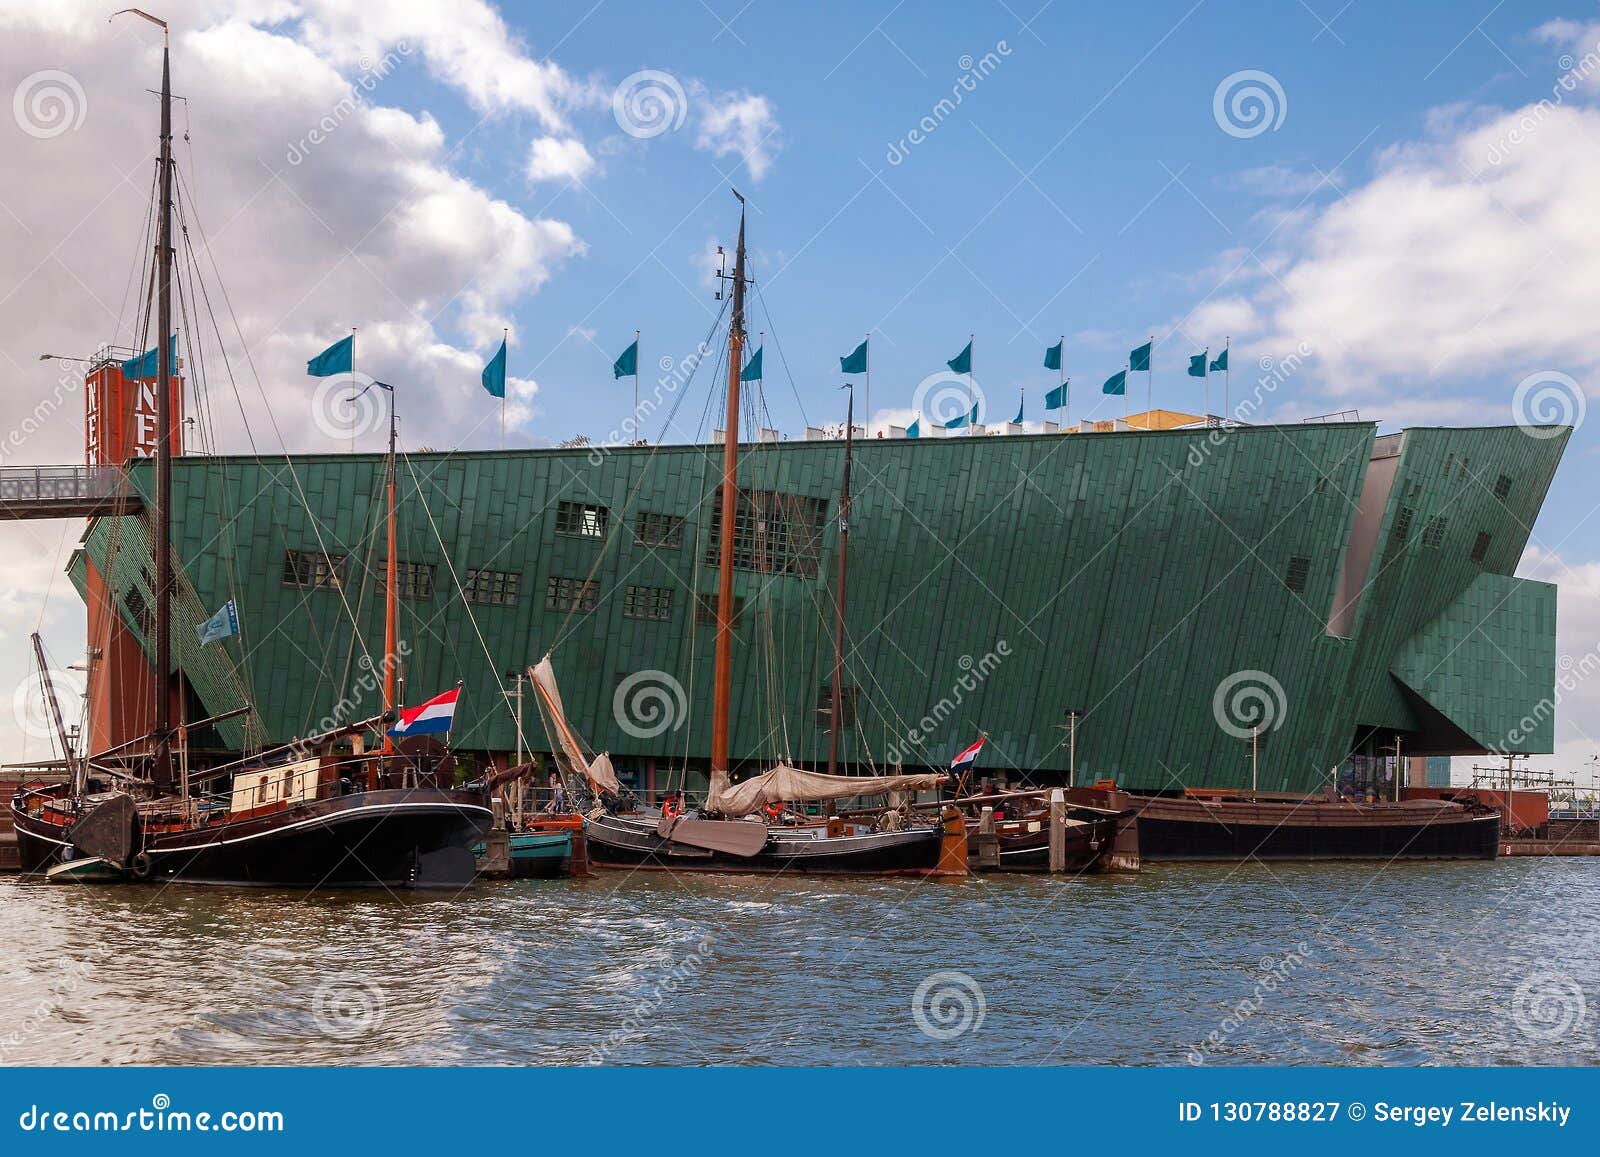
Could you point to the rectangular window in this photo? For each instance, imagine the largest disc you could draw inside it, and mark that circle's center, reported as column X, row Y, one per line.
column 647, row 603
column 569, row 594
column 313, row 568
column 1398, row 534
column 663, row 530
column 705, row 609
column 1433, row 532
column 412, row 580
column 139, row 612
column 774, row 533
column 1299, row 571
column 581, row 519
column 1502, row 487
column 494, row 588
column 1480, row 548
column 847, row 706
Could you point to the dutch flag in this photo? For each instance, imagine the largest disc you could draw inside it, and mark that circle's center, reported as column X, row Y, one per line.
column 430, row 718
column 966, row 759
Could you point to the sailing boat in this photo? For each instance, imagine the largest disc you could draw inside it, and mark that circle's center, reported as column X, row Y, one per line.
column 320, row 812
column 733, row 831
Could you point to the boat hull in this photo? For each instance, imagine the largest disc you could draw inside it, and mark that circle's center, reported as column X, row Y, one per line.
column 390, row 839
column 1230, row 830
column 633, row 842
column 537, row 854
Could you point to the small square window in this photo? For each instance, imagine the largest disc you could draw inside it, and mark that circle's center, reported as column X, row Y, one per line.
column 1299, row 571
column 647, row 603
column 582, row 519
column 1480, row 548
column 570, row 594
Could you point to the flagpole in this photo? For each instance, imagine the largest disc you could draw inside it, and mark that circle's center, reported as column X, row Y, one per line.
column 1126, row 371
column 972, row 339
column 635, row 437
column 868, row 391
column 352, row 383
column 1205, row 378
column 1227, row 376
column 505, row 337
column 1061, row 370
column 1150, row 383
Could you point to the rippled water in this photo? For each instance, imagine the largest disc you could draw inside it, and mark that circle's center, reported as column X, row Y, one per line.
column 1419, row 964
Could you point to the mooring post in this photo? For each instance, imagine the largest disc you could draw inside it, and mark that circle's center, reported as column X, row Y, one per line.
column 497, row 844
column 988, row 843
column 1058, row 830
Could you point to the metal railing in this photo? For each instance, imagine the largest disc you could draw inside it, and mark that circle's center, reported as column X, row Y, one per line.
column 44, row 490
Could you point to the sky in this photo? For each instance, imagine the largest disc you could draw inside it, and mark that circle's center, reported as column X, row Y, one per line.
column 1387, row 206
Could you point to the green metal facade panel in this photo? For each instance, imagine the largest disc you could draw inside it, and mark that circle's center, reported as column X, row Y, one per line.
column 1124, row 575
column 1487, row 663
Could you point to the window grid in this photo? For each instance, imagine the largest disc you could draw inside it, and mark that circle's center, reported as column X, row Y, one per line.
column 774, row 533
column 642, row 602
column 582, row 519
column 412, row 580
column 568, row 594
column 495, row 588
column 1299, row 572
column 663, row 530
column 313, row 568
column 1480, row 548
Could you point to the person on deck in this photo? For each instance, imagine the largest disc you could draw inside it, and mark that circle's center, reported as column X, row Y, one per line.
column 558, row 796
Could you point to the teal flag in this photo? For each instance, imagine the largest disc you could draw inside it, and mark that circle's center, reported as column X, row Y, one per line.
column 962, row 362
column 1117, row 383
column 752, row 368
column 915, row 429
column 1056, row 398
column 1020, row 400
column 494, row 374
column 145, row 365
column 336, row 359
column 220, row 625
column 1052, row 356
column 854, row 363
column 962, row 421
column 1197, row 366
column 1220, row 362
column 628, row 364
column 1139, row 359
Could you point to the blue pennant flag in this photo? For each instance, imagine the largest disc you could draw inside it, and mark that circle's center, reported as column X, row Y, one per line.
column 220, row 625
column 494, row 374
column 1052, row 356
column 962, row 362
column 627, row 365
column 1197, row 366
column 1220, row 362
column 1117, row 383
column 962, row 421
column 1020, row 401
column 1056, row 398
column 855, row 362
column 915, row 429
column 1139, row 359
column 752, row 368
column 145, row 365
column 336, row 359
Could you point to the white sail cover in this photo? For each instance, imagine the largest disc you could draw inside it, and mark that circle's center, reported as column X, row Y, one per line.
column 784, row 784
column 602, row 776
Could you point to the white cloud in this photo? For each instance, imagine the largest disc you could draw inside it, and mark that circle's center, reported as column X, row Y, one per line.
column 559, row 159
column 738, row 124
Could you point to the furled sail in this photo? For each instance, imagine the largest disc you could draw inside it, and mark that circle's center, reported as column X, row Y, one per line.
column 602, row 777
column 789, row 784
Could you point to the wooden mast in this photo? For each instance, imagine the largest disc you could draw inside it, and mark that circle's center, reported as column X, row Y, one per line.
column 162, row 771
column 722, row 681
column 391, row 601
column 836, row 708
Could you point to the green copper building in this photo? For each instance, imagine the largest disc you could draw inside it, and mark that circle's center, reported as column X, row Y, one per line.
column 1310, row 590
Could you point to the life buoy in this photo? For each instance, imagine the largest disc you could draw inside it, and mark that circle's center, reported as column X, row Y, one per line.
column 141, row 866
column 672, row 808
